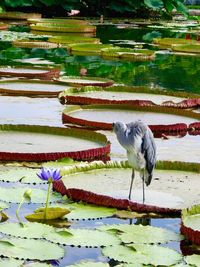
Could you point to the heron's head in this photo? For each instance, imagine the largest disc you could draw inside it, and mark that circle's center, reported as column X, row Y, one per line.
column 118, row 127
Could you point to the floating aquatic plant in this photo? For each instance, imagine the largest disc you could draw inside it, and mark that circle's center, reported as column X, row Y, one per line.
column 50, row 175
column 26, row 196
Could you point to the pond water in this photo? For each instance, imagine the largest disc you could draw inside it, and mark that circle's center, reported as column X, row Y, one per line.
column 167, row 71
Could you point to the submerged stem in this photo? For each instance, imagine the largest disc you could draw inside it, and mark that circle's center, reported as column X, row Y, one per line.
column 47, row 199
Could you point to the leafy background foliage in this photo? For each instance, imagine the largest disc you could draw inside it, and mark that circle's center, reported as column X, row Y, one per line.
column 96, row 8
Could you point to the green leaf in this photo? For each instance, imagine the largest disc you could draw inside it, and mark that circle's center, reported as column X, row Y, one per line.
column 193, row 260
column 83, row 237
column 14, row 195
column 30, row 249
column 143, row 254
column 20, row 174
column 89, row 264
column 81, row 211
column 155, row 4
column 140, row 234
column 29, row 230
column 8, row 262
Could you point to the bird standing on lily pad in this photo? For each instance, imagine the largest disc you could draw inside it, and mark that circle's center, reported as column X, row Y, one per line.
column 137, row 138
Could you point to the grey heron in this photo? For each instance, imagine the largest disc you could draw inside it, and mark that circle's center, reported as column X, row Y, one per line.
column 137, row 138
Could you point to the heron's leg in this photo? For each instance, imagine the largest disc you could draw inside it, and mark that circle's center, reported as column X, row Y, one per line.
column 131, row 185
column 143, row 189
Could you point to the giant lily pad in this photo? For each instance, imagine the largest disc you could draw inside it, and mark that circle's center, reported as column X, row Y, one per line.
column 102, row 116
column 9, row 262
column 14, row 195
column 32, row 73
column 19, row 15
column 190, row 226
column 87, row 49
column 50, row 140
column 73, row 39
column 30, row 87
column 80, row 81
column 188, row 48
column 137, row 95
column 140, row 234
column 34, row 44
column 48, row 27
column 30, row 249
column 83, row 238
column 90, row 264
column 76, row 237
column 57, row 21
column 168, row 42
column 81, row 211
column 108, row 185
column 37, row 112
column 128, row 53
column 143, row 254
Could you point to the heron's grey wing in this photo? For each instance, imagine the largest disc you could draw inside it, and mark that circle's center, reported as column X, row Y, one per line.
column 149, row 151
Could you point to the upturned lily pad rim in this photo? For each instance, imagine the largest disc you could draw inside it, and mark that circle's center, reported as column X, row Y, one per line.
column 97, row 199
column 191, row 234
column 34, row 44
column 48, row 20
column 19, row 15
column 103, row 82
column 25, row 92
column 70, row 95
column 62, row 28
column 51, row 72
column 67, row 118
column 187, row 48
column 88, row 154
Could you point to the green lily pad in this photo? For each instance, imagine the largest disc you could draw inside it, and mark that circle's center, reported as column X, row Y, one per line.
column 87, row 49
column 29, row 230
column 73, row 39
column 19, row 15
column 83, row 238
column 9, row 262
column 168, row 42
column 80, row 81
column 76, row 237
column 63, row 28
column 14, row 195
column 36, row 264
column 188, row 48
column 143, row 254
column 24, row 175
column 140, row 234
column 30, row 249
column 81, row 211
column 90, row 264
column 193, row 260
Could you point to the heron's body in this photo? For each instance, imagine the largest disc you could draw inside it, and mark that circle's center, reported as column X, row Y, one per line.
column 137, row 139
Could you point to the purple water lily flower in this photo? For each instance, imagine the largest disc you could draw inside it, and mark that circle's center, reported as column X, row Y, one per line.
column 47, row 174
